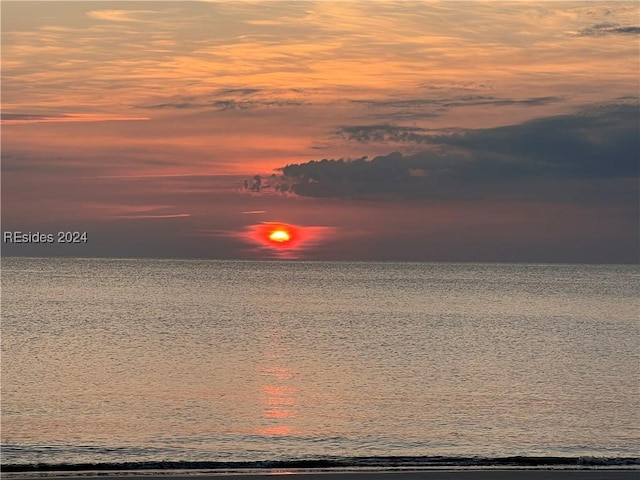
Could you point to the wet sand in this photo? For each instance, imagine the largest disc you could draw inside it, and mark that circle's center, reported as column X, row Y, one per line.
column 484, row 474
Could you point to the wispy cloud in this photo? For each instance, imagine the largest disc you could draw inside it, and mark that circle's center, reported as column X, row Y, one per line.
column 223, row 105
column 383, row 133
column 337, row 50
column 461, row 101
column 27, row 118
column 119, row 15
column 602, row 29
column 141, row 217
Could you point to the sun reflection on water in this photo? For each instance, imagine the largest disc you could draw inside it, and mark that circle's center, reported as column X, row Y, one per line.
column 278, row 394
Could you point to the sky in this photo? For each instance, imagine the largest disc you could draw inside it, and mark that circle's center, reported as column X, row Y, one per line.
column 350, row 130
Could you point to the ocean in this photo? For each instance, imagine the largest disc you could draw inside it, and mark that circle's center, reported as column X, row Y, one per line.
column 144, row 363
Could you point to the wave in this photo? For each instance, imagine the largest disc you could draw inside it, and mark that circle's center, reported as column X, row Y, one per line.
column 391, row 462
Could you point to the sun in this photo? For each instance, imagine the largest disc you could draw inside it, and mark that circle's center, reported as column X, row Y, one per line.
column 282, row 239
column 279, row 235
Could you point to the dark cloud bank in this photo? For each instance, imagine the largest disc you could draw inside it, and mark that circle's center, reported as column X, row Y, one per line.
column 590, row 156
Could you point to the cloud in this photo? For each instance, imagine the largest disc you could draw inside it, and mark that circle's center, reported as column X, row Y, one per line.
column 22, row 118
column 134, row 211
column 265, row 22
column 223, row 105
column 598, row 141
column 136, row 217
column 232, row 98
column 384, row 133
column 420, row 108
column 602, row 29
column 238, row 91
column 462, row 101
column 117, row 15
column 558, row 155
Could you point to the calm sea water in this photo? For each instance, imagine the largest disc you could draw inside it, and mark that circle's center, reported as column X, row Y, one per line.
column 111, row 361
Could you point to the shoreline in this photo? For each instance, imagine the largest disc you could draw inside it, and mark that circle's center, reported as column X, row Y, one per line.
column 359, row 468
column 442, row 473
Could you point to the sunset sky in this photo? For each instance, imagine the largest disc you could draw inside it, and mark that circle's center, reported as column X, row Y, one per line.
column 492, row 131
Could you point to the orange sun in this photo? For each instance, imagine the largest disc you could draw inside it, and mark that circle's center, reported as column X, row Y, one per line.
column 280, row 235
column 284, row 240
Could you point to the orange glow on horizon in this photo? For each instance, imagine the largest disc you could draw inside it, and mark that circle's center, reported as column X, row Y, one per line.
column 280, row 235
column 284, row 240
